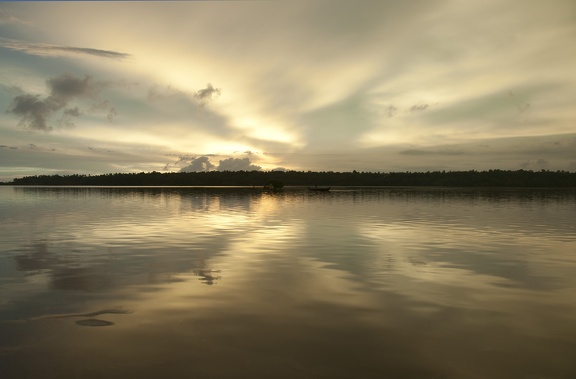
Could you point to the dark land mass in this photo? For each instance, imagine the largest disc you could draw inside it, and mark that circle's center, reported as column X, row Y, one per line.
column 490, row 178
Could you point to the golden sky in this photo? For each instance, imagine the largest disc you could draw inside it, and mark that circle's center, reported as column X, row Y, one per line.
column 97, row 87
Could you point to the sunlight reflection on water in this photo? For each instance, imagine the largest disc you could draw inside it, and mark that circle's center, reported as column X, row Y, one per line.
column 400, row 283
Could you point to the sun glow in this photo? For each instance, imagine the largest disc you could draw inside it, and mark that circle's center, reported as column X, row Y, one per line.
column 267, row 130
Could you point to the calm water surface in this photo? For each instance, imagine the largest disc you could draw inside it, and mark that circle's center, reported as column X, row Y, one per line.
column 237, row 283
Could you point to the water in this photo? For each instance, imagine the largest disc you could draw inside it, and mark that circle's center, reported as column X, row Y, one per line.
column 239, row 283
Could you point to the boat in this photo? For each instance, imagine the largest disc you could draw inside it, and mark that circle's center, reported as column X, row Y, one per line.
column 324, row 189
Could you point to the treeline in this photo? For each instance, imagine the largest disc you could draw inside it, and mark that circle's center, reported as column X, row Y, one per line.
column 490, row 178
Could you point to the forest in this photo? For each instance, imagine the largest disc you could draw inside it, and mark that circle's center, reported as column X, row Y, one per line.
column 473, row 178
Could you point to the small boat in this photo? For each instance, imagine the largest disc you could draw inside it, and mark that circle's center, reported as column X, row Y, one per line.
column 324, row 189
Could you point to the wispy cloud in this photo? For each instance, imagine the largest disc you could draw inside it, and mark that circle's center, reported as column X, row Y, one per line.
column 10, row 19
column 49, row 50
column 30, row 146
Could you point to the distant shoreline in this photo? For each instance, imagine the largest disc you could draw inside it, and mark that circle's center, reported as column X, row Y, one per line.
column 490, row 178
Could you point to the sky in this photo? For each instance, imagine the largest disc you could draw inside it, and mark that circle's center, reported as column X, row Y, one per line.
column 320, row 85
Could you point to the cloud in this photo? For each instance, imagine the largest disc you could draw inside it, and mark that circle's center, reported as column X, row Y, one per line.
column 237, row 164
column 67, row 116
column 199, row 164
column 539, row 164
column 68, row 86
column 11, row 90
column 419, row 107
column 30, row 146
column 428, row 152
column 390, row 110
column 9, row 19
column 35, row 111
column 207, row 93
column 112, row 114
column 48, row 50
column 159, row 94
column 35, row 147
column 75, row 112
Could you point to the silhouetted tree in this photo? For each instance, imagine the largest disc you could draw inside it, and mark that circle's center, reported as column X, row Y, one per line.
column 277, row 179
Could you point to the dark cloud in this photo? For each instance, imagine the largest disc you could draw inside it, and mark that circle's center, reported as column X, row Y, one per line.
column 190, row 163
column 35, row 111
column 68, row 86
column 47, row 50
column 198, row 164
column 418, row 107
column 68, row 115
column 237, row 164
column 207, row 93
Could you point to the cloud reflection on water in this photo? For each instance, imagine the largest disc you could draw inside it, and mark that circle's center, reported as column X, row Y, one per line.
column 374, row 283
